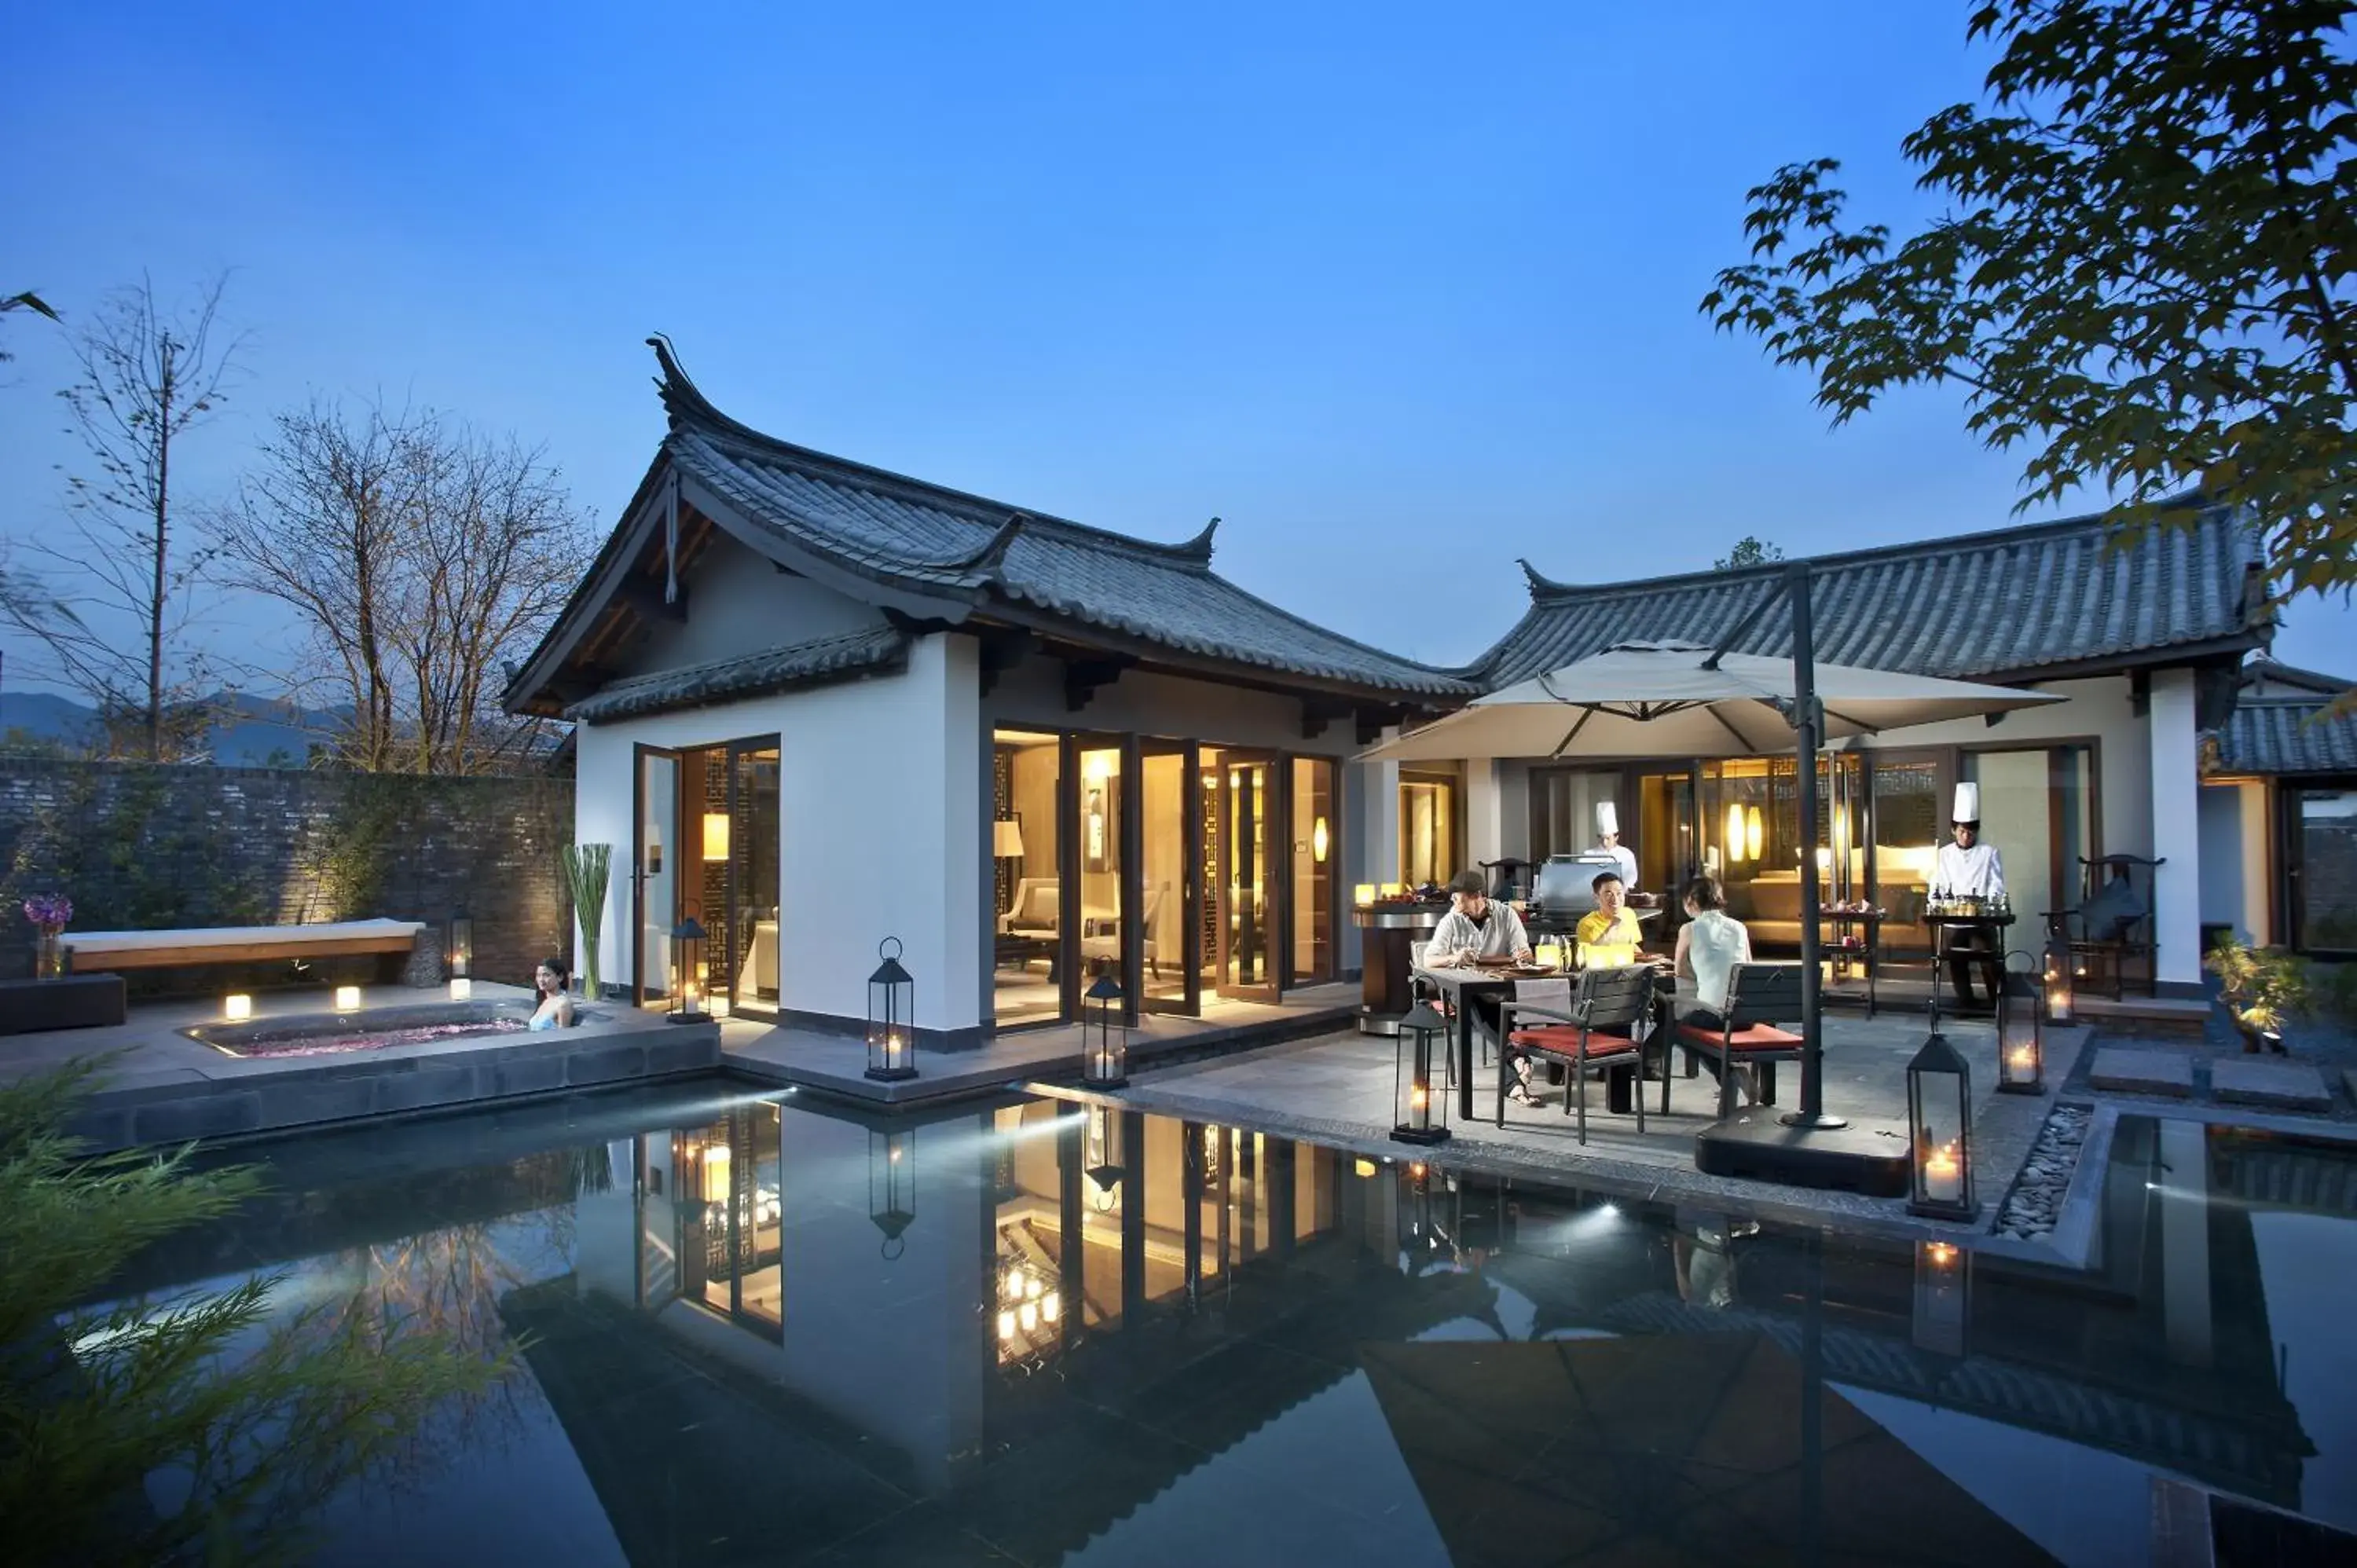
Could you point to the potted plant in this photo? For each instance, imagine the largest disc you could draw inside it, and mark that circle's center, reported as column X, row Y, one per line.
column 50, row 914
column 2259, row 987
column 587, row 869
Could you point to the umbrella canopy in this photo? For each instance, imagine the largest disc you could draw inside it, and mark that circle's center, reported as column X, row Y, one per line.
column 1665, row 699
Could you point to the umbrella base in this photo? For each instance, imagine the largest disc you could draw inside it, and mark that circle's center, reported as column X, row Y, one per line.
column 1756, row 1145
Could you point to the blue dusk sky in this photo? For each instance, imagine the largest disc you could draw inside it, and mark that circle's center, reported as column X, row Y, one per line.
column 1399, row 293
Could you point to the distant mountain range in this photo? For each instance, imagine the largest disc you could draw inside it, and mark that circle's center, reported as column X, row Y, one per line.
column 247, row 732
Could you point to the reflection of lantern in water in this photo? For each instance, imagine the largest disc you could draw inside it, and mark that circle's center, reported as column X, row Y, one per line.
column 1942, row 1307
column 892, row 1186
column 1104, row 1167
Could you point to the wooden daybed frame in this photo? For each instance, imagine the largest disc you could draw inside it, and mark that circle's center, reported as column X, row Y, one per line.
column 97, row 953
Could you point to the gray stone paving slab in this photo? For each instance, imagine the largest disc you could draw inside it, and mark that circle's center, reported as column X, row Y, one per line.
column 2132, row 1071
column 2255, row 1080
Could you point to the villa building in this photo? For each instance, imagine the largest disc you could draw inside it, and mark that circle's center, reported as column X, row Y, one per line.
column 2279, row 813
column 818, row 705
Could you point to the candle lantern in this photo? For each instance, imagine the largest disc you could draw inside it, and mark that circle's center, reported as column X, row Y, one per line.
column 1422, row 1105
column 462, row 945
column 686, row 940
column 1943, row 1285
column 1940, row 1130
column 237, row 1006
column 891, row 1017
column 892, row 1186
column 2021, row 1029
column 1104, row 1036
column 2057, row 980
column 347, row 998
column 1104, row 1168
column 1424, row 1217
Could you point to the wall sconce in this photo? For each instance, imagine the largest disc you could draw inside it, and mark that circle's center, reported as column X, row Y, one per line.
column 347, row 998
column 891, row 1017
column 715, row 836
column 1320, row 840
column 237, row 1007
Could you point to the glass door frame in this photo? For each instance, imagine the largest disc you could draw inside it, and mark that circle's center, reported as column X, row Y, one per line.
column 1274, row 812
column 642, row 994
column 739, row 822
column 1190, row 876
column 2290, row 890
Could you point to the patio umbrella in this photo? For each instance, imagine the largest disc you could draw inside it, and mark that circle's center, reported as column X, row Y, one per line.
column 1669, row 699
column 1680, row 1448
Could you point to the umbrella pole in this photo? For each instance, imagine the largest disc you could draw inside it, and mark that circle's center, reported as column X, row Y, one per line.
column 1808, row 718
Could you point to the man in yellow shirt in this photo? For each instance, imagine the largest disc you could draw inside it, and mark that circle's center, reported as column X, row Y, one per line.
column 1612, row 926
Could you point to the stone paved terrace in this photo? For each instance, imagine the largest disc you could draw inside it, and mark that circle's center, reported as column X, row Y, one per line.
column 161, row 1087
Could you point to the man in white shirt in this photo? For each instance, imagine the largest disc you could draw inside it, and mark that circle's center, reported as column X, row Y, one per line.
column 1967, row 869
column 1475, row 926
column 1608, row 839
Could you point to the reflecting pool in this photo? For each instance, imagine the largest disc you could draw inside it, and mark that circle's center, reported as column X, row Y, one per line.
column 766, row 1329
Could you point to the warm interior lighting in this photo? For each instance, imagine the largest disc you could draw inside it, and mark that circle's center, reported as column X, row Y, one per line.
column 1752, row 837
column 462, row 990
column 237, row 1006
column 717, row 1006
column 1028, row 1316
column 715, row 1174
column 1051, row 1307
column 1096, row 767
column 1006, row 1324
column 1318, row 840
column 1391, row 889
column 1363, row 894
column 1943, row 1175
column 716, row 835
column 1735, row 833
column 1362, row 1168
column 1940, row 1254
column 1006, row 839
column 347, row 998
column 1031, row 1287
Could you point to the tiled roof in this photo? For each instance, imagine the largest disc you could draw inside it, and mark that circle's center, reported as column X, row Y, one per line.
column 2285, row 736
column 2007, row 603
column 819, row 661
column 911, row 536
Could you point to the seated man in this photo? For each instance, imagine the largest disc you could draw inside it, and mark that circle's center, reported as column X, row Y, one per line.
column 1476, row 927
column 1609, row 936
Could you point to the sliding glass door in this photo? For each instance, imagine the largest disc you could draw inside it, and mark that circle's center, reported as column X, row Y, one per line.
column 706, row 843
column 1249, row 815
column 1170, row 810
column 654, row 876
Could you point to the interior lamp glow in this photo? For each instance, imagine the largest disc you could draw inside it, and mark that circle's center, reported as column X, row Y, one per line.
column 1363, row 894
column 347, row 998
column 716, row 835
column 1752, row 837
column 1735, row 833
column 715, row 1174
column 1319, row 840
column 237, row 1006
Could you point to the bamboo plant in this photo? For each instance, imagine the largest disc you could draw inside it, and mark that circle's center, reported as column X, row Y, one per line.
column 587, row 869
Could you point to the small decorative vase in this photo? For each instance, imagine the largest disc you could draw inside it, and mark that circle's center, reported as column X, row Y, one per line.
column 49, row 957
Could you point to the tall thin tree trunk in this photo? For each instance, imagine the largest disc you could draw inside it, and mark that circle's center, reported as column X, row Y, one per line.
column 155, row 604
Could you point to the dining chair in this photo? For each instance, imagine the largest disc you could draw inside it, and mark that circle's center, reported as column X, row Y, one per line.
column 1759, row 997
column 1592, row 1031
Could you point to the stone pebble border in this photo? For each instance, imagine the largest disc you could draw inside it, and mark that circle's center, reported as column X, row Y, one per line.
column 2034, row 1206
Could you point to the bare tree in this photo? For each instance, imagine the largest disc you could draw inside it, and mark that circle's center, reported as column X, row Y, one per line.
column 419, row 555
column 147, row 376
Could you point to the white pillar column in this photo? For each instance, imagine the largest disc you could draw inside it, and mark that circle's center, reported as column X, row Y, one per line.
column 2185, row 1242
column 2176, row 828
column 1371, row 811
column 1485, row 836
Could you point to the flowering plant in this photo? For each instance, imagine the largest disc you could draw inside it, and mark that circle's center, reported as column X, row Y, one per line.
column 49, row 912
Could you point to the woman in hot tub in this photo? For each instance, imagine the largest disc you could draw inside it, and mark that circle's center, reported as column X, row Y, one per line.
column 555, row 1009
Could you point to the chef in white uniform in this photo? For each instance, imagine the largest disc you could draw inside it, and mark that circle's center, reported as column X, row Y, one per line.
column 1967, row 869
column 1608, row 839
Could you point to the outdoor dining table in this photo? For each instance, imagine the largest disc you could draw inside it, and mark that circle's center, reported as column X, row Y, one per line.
column 1465, row 985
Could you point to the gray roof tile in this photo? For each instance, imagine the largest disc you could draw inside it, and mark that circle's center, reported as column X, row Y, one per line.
column 2005, row 603
column 2285, row 736
column 821, row 661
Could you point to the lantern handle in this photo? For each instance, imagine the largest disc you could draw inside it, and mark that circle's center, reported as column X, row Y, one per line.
column 2029, row 961
column 892, row 942
column 893, row 1246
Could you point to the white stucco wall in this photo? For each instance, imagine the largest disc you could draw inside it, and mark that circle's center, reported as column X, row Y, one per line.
column 2222, row 856
column 874, row 839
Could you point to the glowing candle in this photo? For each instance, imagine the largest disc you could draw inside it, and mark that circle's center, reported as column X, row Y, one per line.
column 237, row 1006
column 462, row 989
column 1419, row 1107
column 1944, row 1178
column 347, row 998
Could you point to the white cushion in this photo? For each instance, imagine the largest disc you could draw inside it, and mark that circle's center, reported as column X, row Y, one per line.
column 237, row 936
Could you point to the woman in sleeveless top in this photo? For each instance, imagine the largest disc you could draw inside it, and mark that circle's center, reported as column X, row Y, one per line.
column 1710, row 944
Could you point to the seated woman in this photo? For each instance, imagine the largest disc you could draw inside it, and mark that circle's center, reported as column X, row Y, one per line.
column 555, row 1009
column 1710, row 944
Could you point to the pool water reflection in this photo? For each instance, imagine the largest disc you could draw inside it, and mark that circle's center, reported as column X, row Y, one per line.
column 769, row 1330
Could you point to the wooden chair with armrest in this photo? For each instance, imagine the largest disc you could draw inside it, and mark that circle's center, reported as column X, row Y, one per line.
column 1591, row 1030
column 1759, row 998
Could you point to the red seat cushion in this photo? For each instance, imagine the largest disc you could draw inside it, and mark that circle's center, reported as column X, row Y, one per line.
column 1564, row 1040
column 1750, row 1038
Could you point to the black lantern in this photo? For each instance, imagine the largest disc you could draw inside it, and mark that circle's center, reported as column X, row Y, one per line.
column 2021, row 1029
column 1940, row 1130
column 1104, row 1036
column 892, row 1186
column 1423, row 1108
column 686, row 939
column 1104, row 1168
column 462, row 945
column 891, row 1017
column 2057, row 980
column 1943, row 1290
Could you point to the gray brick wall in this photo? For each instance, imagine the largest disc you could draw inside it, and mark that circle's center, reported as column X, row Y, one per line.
column 146, row 848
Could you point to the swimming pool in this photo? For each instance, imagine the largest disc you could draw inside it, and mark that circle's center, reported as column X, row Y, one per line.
column 765, row 1329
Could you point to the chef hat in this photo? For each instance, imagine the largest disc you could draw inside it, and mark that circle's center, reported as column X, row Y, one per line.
column 1607, row 819
column 1968, row 805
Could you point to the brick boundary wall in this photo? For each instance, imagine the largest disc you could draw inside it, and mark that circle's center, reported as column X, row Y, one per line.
column 144, row 848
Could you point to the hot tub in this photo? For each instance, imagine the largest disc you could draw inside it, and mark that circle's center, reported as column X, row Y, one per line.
column 334, row 1033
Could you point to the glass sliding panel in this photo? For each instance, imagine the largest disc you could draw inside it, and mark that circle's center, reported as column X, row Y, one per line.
column 1908, row 820
column 1211, row 911
column 1315, row 855
column 2072, row 773
column 1029, row 924
column 1170, row 854
column 1427, row 829
column 655, row 874
column 1100, row 902
column 2016, row 821
column 1250, row 936
column 2324, row 891
column 1665, row 845
column 752, row 937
